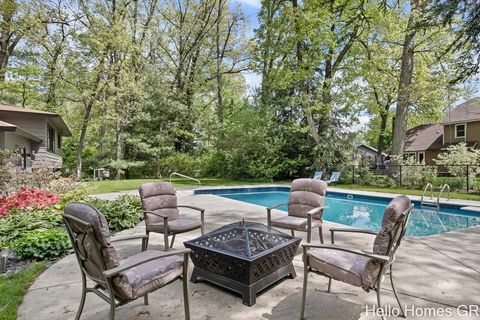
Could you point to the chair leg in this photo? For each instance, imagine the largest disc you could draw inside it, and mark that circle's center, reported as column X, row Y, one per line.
column 82, row 300
column 173, row 240
column 309, row 235
column 329, row 285
column 185, row 287
column 145, row 299
column 320, row 234
column 292, row 232
column 379, row 297
column 395, row 292
column 112, row 305
column 146, row 241
column 165, row 241
column 304, row 291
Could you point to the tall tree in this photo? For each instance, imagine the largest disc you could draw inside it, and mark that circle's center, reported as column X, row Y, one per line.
column 406, row 75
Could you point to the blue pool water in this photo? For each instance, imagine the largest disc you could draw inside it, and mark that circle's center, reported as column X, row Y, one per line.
column 360, row 211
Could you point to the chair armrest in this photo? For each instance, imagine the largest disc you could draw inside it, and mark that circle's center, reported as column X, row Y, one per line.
column 316, row 210
column 277, row 205
column 352, row 230
column 190, row 207
column 134, row 236
column 269, row 213
column 161, row 215
column 202, row 215
column 346, row 249
column 160, row 254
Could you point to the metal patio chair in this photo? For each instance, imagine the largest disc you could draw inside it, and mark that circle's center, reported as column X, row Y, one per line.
column 159, row 203
column 358, row 267
column 305, row 208
column 119, row 281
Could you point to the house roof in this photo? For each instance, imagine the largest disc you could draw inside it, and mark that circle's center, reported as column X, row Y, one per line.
column 424, row 137
column 5, row 126
column 369, row 147
column 55, row 118
column 465, row 112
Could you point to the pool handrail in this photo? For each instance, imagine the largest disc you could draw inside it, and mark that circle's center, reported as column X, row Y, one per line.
column 184, row 176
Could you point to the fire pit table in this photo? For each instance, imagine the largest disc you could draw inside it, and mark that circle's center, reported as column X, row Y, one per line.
column 245, row 257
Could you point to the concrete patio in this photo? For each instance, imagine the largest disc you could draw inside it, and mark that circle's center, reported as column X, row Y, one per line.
column 441, row 271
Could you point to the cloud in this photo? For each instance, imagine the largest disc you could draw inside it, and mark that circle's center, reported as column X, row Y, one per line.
column 251, row 3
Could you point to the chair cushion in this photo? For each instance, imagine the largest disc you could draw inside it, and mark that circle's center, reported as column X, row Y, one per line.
column 391, row 215
column 158, row 197
column 101, row 238
column 344, row 266
column 306, row 194
column 147, row 277
column 176, row 226
column 297, row 223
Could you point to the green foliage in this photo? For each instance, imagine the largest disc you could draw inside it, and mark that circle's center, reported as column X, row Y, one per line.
column 364, row 177
column 21, row 221
column 456, row 158
column 12, row 289
column 122, row 213
column 42, row 244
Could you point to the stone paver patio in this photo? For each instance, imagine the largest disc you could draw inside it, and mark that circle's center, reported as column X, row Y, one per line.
column 441, row 271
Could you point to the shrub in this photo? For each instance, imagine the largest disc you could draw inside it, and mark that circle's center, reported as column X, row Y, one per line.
column 68, row 190
column 21, row 221
column 182, row 163
column 122, row 213
column 455, row 159
column 27, row 198
column 42, row 244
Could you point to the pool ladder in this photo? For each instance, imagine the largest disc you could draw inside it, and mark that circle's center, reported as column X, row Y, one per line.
column 432, row 201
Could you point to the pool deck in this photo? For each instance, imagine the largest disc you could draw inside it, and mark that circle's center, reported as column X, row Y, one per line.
column 440, row 271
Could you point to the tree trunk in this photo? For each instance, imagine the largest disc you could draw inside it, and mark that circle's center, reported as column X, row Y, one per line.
column 86, row 117
column 406, row 75
column 381, row 135
column 218, row 74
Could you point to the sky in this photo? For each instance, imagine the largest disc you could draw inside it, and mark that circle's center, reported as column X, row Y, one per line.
column 250, row 9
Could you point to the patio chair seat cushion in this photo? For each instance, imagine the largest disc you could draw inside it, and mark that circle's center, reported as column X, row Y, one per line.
column 147, row 277
column 297, row 223
column 176, row 226
column 344, row 266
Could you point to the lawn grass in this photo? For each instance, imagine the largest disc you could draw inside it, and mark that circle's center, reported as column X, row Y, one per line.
column 407, row 191
column 12, row 289
column 97, row 187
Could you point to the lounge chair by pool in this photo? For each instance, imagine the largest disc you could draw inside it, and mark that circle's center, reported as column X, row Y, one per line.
column 334, row 177
column 318, row 175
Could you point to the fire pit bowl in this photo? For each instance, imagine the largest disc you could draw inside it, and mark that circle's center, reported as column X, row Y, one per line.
column 245, row 257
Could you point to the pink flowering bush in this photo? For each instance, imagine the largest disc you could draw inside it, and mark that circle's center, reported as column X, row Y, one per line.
column 25, row 198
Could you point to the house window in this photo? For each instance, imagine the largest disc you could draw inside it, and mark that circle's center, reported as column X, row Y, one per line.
column 421, row 157
column 409, row 155
column 59, row 142
column 51, row 138
column 460, row 130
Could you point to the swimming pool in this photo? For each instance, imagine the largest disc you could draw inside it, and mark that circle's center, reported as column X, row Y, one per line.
column 360, row 211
